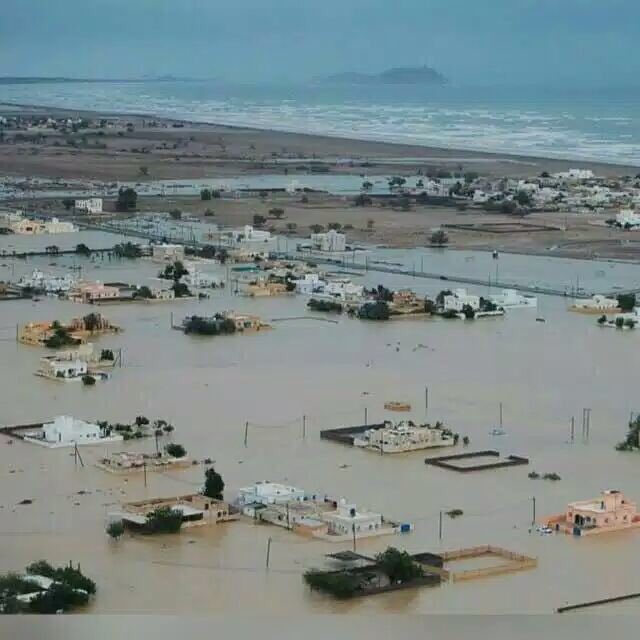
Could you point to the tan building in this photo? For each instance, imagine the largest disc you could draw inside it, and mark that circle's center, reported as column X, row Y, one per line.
column 196, row 509
column 89, row 292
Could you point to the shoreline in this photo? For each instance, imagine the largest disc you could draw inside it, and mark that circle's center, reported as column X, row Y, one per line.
column 414, row 153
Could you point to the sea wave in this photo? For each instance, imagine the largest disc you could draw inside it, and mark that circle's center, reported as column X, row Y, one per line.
column 588, row 132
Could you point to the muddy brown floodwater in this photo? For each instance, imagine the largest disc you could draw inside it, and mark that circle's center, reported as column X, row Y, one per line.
column 543, row 373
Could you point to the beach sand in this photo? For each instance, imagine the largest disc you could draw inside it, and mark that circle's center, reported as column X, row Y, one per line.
column 179, row 150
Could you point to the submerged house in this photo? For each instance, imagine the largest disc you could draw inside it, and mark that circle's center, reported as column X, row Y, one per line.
column 596, row 304
column 311, row 515
column 331, row 241
column 89, row 292
column 196, row 510
column 404, row 436
column 460, row 299
column 65, row 431
column 511, row 299
column 612, row 511
column 64, row 369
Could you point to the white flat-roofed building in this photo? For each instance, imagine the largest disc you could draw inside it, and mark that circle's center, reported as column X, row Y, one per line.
column 247, row 238
column 511, row 299
column 58, row 226
column 47, row 282
column 404, row 436
column 310, row 283
column 628, row 219
column 268, row 493
column 347, row 520
column 575, row 174
column 331, row 241
column 63, row 369
column 459, row 299
column 89, row 205
column 167, row 252
column 65, row 431
column 596, row 304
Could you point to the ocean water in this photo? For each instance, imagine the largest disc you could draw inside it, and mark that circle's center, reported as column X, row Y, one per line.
column 596, row 125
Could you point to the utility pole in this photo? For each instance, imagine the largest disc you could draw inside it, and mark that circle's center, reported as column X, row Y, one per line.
column 304, row 427
column 426, row 402
column 366, row 417
column 440, row 526
column 246, row 433
column 573, row 424
column 268, row 551
column 353, row 529
column 533, row 515
column 76, row 455
column 288, row 523
column 144, row 469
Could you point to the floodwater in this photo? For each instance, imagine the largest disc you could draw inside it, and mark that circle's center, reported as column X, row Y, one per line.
column 543, row 373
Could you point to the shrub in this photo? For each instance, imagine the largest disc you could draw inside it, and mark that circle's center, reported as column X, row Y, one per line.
column 626, row 301
column 163, row 520
column 324, row 305
column 175, row 450
column 115, row 529
column 439, row 238
column 337, row 584
column 374, row 311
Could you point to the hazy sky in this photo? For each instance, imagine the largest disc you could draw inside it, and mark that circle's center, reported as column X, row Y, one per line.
column 581, row 42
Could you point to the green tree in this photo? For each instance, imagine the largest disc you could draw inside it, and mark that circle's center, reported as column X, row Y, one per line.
column 205, row 194
column 316, row 228
column 213, row 484
column 175, row 450
column 127, row 199
column 378, row 310
column 91, row 322
column 258, row 220
column 163, row 520
column 175, row 214
column 68, row 203
column 83, row 250
column 362, row 200
column 523, row 198
column 398, row 565
column 143, row 292
column 626, row 301
column 276, row 212
column 439, row 238
column 115, row 529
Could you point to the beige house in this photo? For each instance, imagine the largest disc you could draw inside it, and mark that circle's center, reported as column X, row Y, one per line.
column 196, row 510
column 89, row 292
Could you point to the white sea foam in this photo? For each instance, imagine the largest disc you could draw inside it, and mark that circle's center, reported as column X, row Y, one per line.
column 541, row 131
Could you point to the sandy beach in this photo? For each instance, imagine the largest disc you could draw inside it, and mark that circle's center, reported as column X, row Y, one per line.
column 176, row 149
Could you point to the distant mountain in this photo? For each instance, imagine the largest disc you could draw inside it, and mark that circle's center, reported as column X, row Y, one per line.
column 397, row 75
